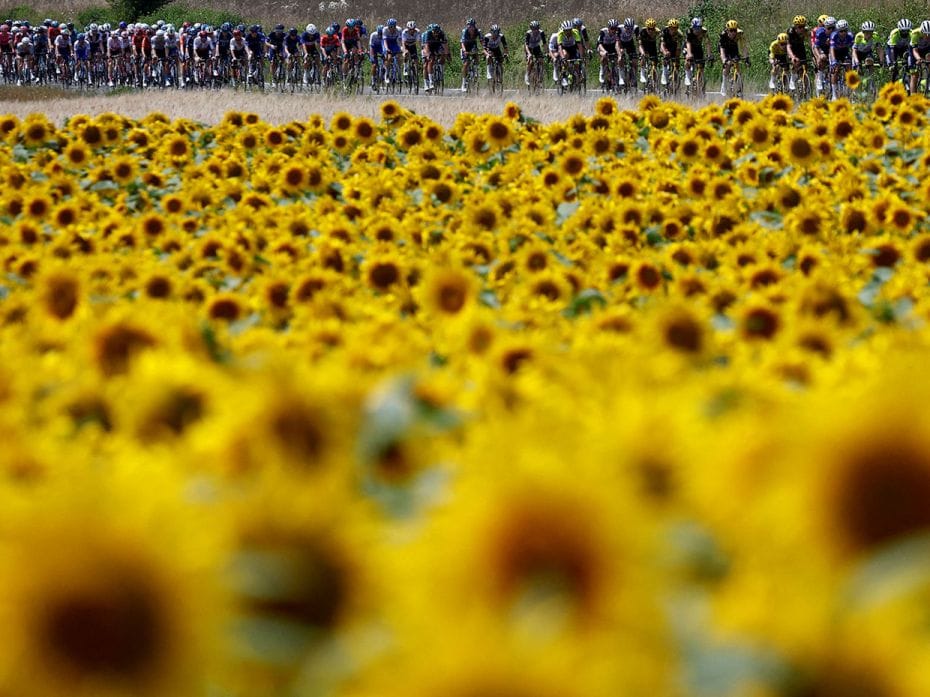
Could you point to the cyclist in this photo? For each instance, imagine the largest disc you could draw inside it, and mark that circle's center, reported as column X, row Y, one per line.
column 582, row 30
column 392, row 47
column 471, row 35
column 629, row 50
column 24, row 53
column 569, row 40
column 608, row 47
column 533, row 42
column 821, row 50
column 330, row 46
column 778, row 57
column 82, row 54
column 6, row 47
column 733, row 47
column 797, row 42
column 376, row 53
column 63, row 51
column 697, row 46
column 864, row 45
column 351, row 44
column 554, row 54
column 841, row 43
column 920, row 49
column 223, row 40
column 41, row 50
column 898, row 50
column 255, row 44
column 435, row 47
column 495, row 45
column 672, row 41
column 203, row 49
column 410, row 44
column 649, row 37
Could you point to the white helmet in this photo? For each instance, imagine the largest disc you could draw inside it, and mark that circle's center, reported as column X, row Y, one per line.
column 697, row 23
column 905, row 25
column 106, row 26
column 829, row 22
column 25, row 41
column 411, row 24
column 842, row 25
column 925, row 27
column 311, row 29
column 93, row 26
column 868, row 25
column 160, row 32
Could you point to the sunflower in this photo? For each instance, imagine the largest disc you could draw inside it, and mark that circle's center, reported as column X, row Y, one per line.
column 123, row 169
column 60, row 293
column 391, row 111
column 292, row 179
column 76, row 154
column 35, row 131
column 364, row 129
column 116, row 345
column 37, row 206
column 800, row 148
column 106, row 609
column 499, row 132
column 853, row 80
column 760, row 322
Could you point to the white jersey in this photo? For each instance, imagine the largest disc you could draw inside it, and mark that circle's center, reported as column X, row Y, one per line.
column 554, row 42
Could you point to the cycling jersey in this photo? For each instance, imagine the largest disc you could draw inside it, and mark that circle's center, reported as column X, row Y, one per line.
column 434, row 40
column 237, row 46
column 24, row 48
column 203, row 47
column 732, row 46
column 862, row 45
column 695, row 41
column 329, row 43
column 376, row 44
column 671, row 41
column 410, row 38
column 534, row 38
column 255, row 43
column 568, row 39
column 470, row 38
column 797, row 42
column 898, row 38
column 391, row 39
column 41, row 45
column 649, row 42
column 778, row 52
column 350, row 37
column 308, row 39
column 6, row 42
column 158, row 43
column 554, row 42
column 921, row 42
column 628, row 38
column 609, row 40
column 841, row 42
column 495, row 43
column 291, row 43
column 822, row 39
column 276, row 39
column 82, row 50
column 63, row 45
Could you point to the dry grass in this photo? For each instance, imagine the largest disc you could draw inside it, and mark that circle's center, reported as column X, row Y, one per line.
column 280, row 108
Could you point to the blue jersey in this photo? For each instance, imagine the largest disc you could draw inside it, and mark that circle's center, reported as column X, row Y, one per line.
column 391, row 40
column 376, row 44
column 82, row 50
column 822, row 39
column 308, row 39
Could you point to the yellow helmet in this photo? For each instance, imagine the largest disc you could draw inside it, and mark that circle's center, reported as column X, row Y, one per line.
column 651, row 23
column 783, row 38
column 800, row 21
column 672, row 24
column 732, row 24
column 822, row 18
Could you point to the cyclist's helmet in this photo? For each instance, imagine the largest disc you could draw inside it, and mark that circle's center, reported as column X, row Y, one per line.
column 842, row 25
column 495, row 29
column 160, row 32
column 70, row 25
column 411, row 24
column 905, row 25
column 27, row 41
column 566, row 25
column 535, row 24
column 350, row 23
column 577, row 23
column 47, row 22
column 868, row 25
column 800, row 21
column 93, row 26
column 292, row 31
column 925, row 27
column 254, row 28
column 392, row 22
column 732, row 25
column 279, row 27
column 629, row 23
column 672, row 23
column 65, row 32
column 822, row 18
column 651, row 23
column 379, row 29
column 122, row 25
column 471, row 22
column 106, row 26
column 330, row 31
column 237, row 33
column 782, row 38
column 830, row 23
column 697, row 23
column 226, row 26
column 612, row 24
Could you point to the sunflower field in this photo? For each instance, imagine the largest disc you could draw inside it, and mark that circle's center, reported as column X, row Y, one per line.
column 628, row 404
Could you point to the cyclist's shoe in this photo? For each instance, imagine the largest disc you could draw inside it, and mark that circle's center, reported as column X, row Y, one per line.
column 600, row 76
